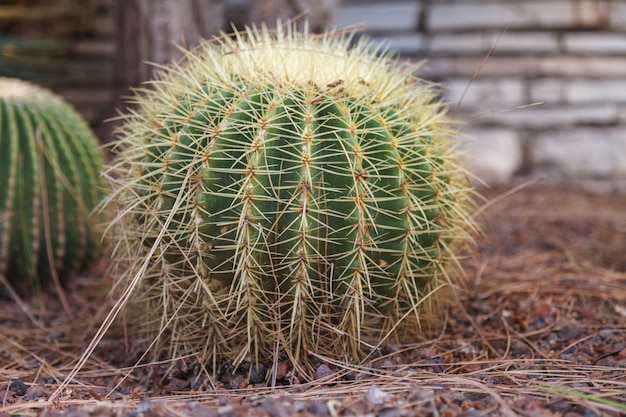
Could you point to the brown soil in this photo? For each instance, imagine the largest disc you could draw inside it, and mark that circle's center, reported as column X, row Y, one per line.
column 541, row 331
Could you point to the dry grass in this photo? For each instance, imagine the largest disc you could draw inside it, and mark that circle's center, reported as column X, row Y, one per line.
column 541, row 331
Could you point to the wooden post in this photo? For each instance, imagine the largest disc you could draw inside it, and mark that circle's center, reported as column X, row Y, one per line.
column 149, row 32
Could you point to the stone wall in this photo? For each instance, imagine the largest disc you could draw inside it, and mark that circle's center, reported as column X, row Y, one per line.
column 71, row 50
column 568, row 55
column 550, row 99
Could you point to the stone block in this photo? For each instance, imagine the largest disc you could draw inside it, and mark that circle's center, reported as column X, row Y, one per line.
column 480, row 43
column 545, row 117
column 589, row 154
column 387, row 16
column 547, row 90
column 458, row 44
column 95, row 47
column 577, row 91
column 584, row 66
column 522, row 42
column 594, row 43
column 555, row 14
column 441, row 67
column 617, row 15
column 407, row 44
column 527, row 66
column 492, row 155
column 485, row 94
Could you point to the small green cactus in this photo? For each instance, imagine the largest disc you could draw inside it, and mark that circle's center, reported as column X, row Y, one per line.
column 285, row 195
column 50, row 164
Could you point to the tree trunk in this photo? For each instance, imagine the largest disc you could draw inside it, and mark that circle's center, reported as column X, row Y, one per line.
column 149, row 31
column 321, row 14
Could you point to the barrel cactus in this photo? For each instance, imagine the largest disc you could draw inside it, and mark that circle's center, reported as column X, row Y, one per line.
column 285, row 195
column 50, row 165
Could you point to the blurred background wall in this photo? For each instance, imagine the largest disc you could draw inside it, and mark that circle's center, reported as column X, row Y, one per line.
column 549, row 100
column 561, row 63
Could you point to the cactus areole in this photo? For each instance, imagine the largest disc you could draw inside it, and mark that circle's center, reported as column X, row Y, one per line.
column 285, row 195
column 50, row 164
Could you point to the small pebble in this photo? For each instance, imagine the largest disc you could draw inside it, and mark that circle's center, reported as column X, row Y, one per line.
column 323, row 371
column 18, row 387
column 377, row 396
column 74, row 412
column 237, row 382
column 319, row 408
column 281, row 370
column 257, row 373
column 35, row 392
column 570, row 332
column 393, row 412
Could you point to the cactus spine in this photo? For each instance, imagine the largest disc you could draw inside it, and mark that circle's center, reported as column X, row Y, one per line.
column 284, row 194
column 49, row 169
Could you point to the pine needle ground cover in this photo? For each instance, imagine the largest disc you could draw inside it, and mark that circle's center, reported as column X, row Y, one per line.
column 541, row 331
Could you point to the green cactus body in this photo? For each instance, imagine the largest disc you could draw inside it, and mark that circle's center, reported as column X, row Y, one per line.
column 50, row 164
column 287, row 195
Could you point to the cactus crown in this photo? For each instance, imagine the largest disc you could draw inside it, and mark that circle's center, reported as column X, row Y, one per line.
column 50, row 164
column 285, row 195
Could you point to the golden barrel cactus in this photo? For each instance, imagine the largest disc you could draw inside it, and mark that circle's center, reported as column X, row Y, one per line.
column 283, row 195
column 50, row 165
